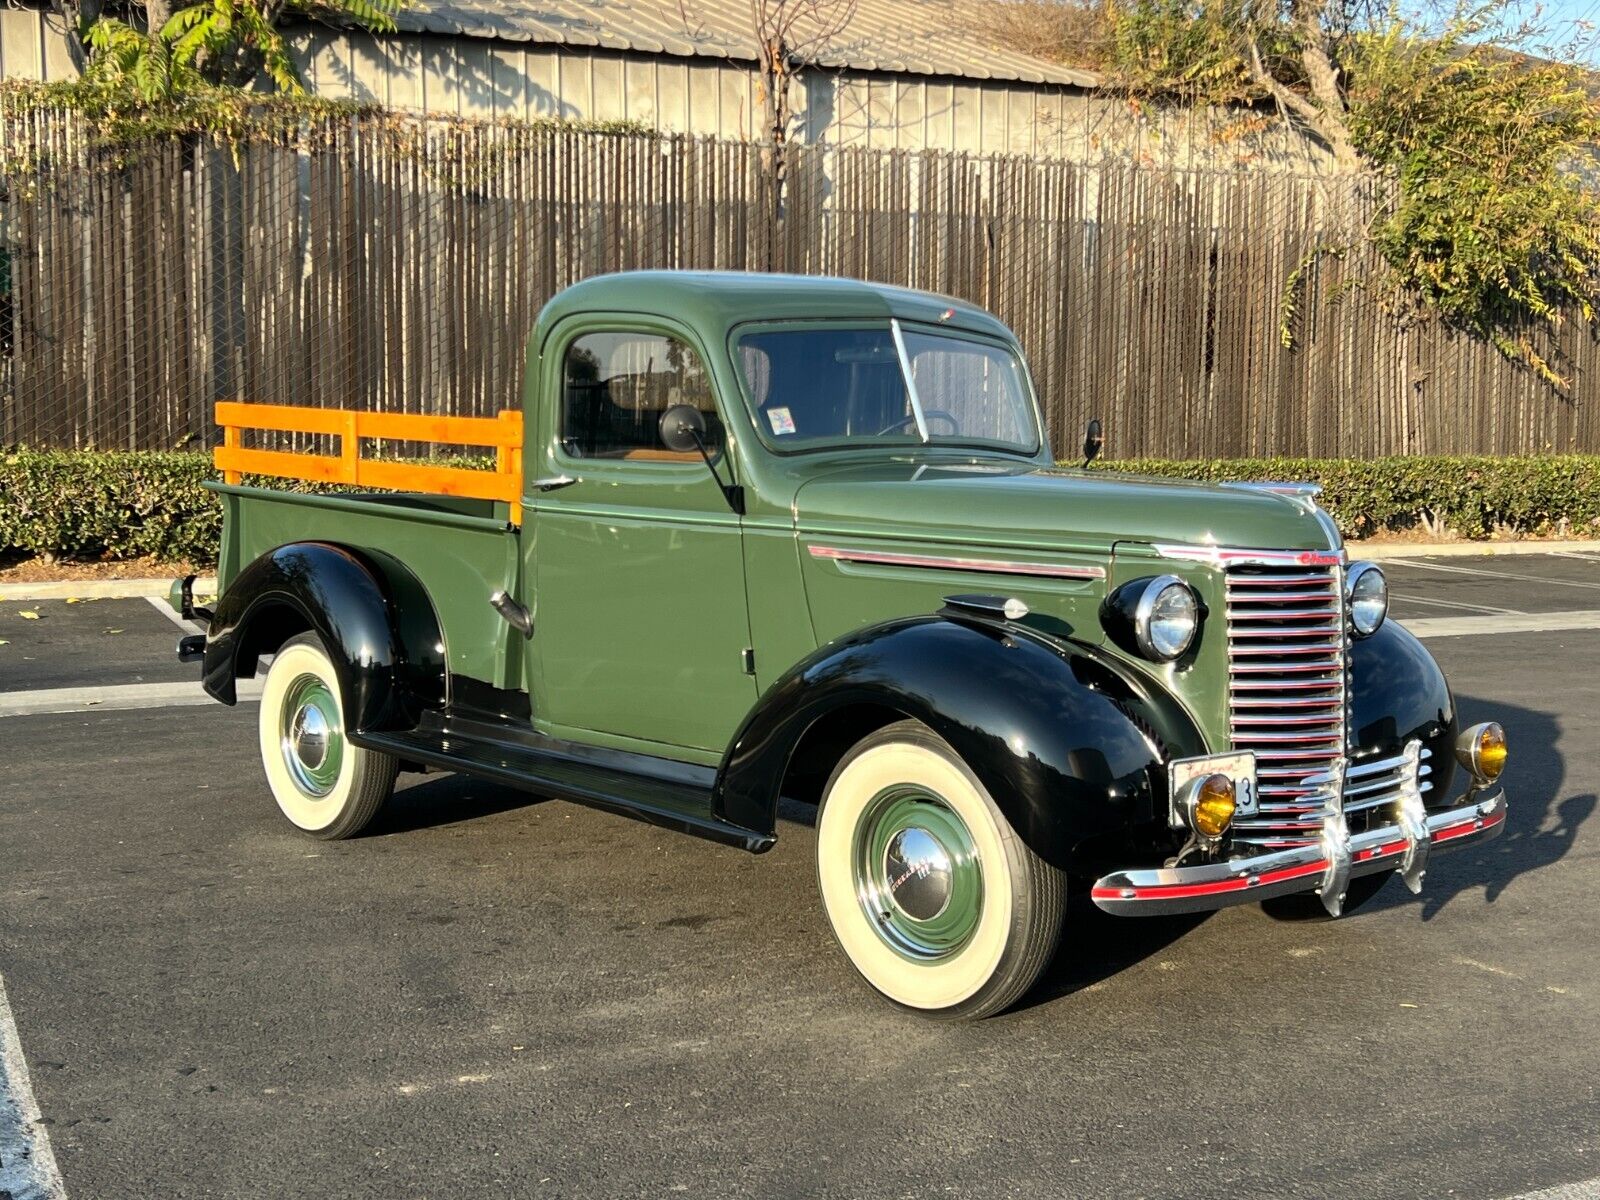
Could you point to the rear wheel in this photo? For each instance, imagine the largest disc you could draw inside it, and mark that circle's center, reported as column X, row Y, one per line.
column 1307, row 906
column 930, row 892
column 323, row 784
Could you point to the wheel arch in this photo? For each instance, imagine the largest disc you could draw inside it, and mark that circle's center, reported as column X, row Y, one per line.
column 825, row 741
column 373, row 615
column 1067, row 743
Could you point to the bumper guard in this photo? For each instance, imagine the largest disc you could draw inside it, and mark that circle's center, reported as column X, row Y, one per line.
column 1325, row 866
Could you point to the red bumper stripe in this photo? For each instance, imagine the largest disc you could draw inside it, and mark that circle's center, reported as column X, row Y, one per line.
column 1470, row 826
column 1178, row 891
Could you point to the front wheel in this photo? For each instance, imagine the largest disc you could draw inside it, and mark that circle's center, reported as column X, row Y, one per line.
column 936, row 901
column 323, row 784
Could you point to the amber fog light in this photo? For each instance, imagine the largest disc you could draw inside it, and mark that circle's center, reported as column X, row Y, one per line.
column 1482, row 750
column 1210, row 805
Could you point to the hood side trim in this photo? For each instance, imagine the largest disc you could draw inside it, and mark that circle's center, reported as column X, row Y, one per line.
column 987, row 566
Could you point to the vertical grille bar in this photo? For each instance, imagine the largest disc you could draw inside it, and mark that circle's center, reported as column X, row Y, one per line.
column 1288, row 691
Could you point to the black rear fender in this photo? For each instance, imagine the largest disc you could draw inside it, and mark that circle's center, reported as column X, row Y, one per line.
column 1070, row 744
column 370, row 611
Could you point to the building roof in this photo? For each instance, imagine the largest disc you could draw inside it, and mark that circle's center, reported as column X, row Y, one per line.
column 919, row 37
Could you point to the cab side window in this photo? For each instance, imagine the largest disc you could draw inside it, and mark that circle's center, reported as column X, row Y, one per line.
column 615, row 388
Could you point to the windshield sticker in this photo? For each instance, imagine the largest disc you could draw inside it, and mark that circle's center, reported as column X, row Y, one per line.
column 780, row 420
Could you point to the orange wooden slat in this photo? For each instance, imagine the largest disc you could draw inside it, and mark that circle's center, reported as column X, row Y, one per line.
column 409, row 427
column 290, row 418
column 418, row 427
column 281, row 464
column 502, row 432
column 442, row 481
column 230, row 442
column 350, row 447
column 508, row 457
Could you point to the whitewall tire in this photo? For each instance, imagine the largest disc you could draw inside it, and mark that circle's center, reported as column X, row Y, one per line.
column 930, row 892
column 324, row 785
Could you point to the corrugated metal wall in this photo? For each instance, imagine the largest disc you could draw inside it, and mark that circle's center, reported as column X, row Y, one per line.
column 32, row 45
column 476, row 78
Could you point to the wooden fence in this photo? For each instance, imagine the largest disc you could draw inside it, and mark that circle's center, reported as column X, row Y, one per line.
column 398, row 264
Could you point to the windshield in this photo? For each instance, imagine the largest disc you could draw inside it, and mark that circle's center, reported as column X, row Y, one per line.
column 828, row 387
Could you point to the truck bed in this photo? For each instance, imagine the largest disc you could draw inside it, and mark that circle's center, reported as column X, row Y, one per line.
column 460, row 550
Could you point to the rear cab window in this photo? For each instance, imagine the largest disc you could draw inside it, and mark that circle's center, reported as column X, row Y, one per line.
column 616, row 385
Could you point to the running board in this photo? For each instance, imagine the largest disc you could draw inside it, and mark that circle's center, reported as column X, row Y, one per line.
column 548, row 770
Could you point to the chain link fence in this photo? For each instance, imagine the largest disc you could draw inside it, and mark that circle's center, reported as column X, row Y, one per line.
column 398, row 263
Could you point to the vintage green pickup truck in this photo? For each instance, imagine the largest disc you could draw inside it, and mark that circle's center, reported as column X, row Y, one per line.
column 800, row 537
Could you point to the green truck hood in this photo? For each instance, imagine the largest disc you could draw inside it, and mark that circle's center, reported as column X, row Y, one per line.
column 1006, row 503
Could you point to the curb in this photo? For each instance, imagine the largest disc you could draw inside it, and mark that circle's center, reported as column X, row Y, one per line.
column 1467, row 549
column 114, row 698
column 100, row 589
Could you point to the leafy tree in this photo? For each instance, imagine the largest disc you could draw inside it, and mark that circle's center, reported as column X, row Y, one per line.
column 1495, row 223
column 189, row 44
column 1486, row 125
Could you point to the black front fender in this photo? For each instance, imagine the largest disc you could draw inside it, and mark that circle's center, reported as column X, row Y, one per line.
column 1069, row 746
column 371, row 613
column 1397, row 693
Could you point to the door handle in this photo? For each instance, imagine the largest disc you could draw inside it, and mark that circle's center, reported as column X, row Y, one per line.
column 551, row 482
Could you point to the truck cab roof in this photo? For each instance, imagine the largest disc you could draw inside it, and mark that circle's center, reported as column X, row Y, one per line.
column 714, row 302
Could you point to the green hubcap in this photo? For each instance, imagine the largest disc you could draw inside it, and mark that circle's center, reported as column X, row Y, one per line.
column 916, row 873
column 311, row 736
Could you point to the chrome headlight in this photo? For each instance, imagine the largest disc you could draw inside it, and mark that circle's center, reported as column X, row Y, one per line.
column 1165, row 618
column 1366, row 592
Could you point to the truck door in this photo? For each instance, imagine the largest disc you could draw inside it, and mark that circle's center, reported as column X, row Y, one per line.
column 638, row 590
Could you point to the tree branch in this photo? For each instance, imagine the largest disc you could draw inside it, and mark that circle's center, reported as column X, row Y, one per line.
column 1325, row 113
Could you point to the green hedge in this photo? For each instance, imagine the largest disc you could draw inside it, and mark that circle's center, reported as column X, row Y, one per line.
column 91, row 505
column 88, row 505
column 1467, row 497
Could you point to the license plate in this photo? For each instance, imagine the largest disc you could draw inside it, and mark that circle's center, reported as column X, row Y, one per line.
column 1241, row 768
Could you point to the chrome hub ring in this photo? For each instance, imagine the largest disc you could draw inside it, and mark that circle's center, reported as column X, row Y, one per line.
column 916, row 873
column 311, row 736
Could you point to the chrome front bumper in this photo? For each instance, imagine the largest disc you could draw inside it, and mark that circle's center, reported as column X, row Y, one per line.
column 1325, row 866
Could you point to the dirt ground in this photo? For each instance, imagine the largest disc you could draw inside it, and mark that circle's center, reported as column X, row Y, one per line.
column 36, row 570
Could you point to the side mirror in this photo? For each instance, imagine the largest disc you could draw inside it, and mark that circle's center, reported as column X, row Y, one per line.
column 1093, row 440
column 682, row 429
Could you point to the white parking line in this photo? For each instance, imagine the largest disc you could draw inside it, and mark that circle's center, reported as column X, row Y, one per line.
column 28, row 1168
column 1577, row 583
column 1584, row 1189
column 1550, row 622
column 1482, row 608
column 114, row 697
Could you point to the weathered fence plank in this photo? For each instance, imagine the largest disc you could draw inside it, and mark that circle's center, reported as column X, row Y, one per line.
column 399, row 264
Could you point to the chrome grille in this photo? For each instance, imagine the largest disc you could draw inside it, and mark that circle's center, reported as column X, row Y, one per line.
column 1287, row 692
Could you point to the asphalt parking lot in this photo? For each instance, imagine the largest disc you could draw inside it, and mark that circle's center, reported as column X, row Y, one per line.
column 491, row 995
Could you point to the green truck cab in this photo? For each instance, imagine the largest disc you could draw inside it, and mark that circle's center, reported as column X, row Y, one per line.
column 804, row 538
